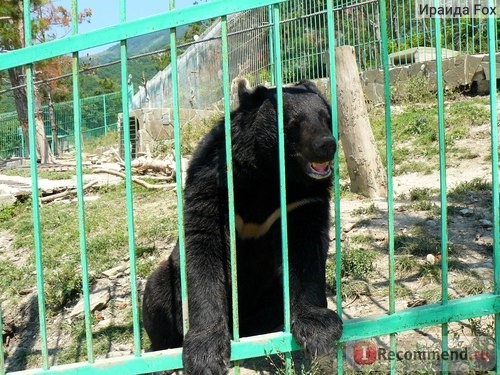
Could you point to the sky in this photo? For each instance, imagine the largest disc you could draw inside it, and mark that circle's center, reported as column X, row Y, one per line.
column 106, row 12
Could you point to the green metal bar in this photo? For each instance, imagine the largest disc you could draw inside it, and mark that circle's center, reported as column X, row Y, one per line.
column 230, row 184
column 304, row 55
column 467, row 25
column 294, row 45
column 336, row 179
column 37, row 230
column 363, row 39
column 104, row 114
column 127, row 30
column 390, row 185
column 492, row 49
column 442, row 178
column 314, row 50
column 128, row 188
column 281, row 157
column 264, row 345
column 420, row 317
column 22, row 145
column 272, row 68
column 178, row 180
column 77, row 118
column 473, row 37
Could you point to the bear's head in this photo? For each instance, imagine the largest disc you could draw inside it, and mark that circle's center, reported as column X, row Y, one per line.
column 309, row 143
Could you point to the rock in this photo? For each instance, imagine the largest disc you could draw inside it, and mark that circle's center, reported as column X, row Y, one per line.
column 98, row 301
column 115, row 272
column 431, row 223
column 123, row 348
column 466, row 212
column 347, row 227
column 103, row 324
column 486, row 223
column 417, row 302
column 115, row 354
column 430, row 258
column 433, row 259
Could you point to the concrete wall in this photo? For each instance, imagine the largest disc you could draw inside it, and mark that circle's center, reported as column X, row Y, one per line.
column 471, row 71
column 157, row 124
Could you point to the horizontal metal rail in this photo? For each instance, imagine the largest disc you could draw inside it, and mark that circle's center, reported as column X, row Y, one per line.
column 265, row 345
column 126, row 30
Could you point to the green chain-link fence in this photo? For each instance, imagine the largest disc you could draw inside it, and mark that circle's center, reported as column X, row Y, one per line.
column 100, row 115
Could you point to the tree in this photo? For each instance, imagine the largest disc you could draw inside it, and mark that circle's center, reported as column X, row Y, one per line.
column 366, row 172
column 46, row 16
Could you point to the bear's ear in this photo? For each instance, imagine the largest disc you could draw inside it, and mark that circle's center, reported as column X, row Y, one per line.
column 243, row 90
column 248, row 97
column 311, row 86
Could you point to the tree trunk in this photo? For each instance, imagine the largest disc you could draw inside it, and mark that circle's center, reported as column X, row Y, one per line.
column 53, row 124
column 364, row 165
column 16, row 76
column 43, row 151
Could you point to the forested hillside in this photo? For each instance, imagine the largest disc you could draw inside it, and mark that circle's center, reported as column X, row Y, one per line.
column 107, row 79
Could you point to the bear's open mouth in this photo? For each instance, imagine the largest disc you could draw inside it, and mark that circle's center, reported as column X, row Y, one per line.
column 319, row 170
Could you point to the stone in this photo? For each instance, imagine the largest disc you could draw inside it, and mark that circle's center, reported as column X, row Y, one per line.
column 486, row 223
column 466, row 212
column 98, row 301
column 115, row 272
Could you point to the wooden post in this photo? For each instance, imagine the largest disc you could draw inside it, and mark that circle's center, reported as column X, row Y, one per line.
column 364, row 165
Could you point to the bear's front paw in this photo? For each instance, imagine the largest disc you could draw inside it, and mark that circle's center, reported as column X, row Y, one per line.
column 207, row 351
column 316, row 329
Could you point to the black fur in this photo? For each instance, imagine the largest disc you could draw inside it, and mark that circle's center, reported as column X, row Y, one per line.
column 308, row 138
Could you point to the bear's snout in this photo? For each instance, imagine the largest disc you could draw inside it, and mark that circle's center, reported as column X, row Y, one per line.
column 324, row 148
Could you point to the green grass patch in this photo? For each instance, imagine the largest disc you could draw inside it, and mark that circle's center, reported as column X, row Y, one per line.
column 405, row 265
column 357, row 264
column 362, row 239
column 430, row 273
column 44, row 173
column 425, row 205
column 470, row 112
column 415, row 89
column 431, row 294
column 462, row 153
column 106, row 237
column 469, row 283
column 416, row 243
column 104, row 142
column 402, row 291
column 463, row 190
column 191, row 134
column 369, row 210
column 420, row 194
column 415, row 131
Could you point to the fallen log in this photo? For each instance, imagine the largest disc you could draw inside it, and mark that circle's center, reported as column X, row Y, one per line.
column 137, row 180
column 50, row 198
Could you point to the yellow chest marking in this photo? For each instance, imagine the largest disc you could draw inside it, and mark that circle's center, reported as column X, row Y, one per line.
column 253, row 230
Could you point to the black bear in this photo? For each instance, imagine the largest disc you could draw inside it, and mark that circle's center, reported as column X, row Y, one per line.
column 309, row 149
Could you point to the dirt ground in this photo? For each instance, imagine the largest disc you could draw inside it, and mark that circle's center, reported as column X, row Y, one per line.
column 469, row 230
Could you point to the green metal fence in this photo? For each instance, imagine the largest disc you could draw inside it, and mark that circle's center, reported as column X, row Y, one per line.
column 356, row 23
column 442, row 313
column 99, row 115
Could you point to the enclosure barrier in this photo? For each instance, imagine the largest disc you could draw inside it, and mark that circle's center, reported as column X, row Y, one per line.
column 281, row 342
column 356, row 23
column 99, row 115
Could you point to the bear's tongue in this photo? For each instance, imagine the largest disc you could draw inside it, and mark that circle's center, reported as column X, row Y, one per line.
column 320, row 167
